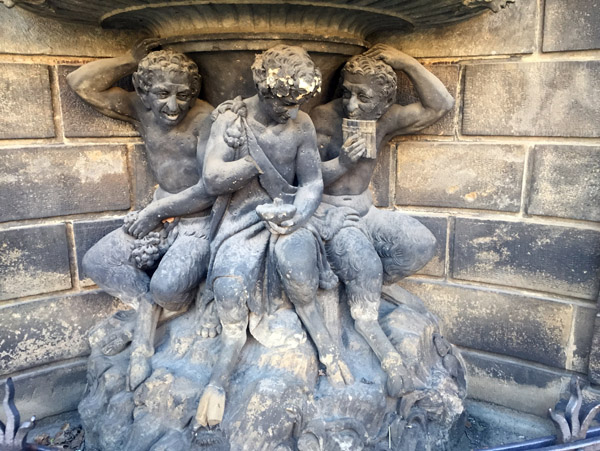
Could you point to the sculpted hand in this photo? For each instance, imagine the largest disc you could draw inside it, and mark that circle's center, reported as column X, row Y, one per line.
column 286, row 227
column 145, row 223
column 390, row 55
column 143, row 47
column 352, row 150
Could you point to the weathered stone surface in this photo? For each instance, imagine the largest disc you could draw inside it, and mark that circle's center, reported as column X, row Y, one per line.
column 583, row 329
column 53, row 181
column 513, row 384
column 80, row 119
column 512, row 30
column 566, row 182
column 49, row 390
column 439, row 228
column 447, row 74
column 572, row 26
column 380, row 180
column 144, row 180
column 48, row 330
column 87, row 233
column 546, row 258
column 33, row 260
column 533, row 99
column 457, row 175
column 29, row 34
column 26, row 107
column 531, row 329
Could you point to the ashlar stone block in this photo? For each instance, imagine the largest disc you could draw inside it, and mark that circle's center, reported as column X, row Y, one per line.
column 33, row 260
column 571, row 26
column 456, row 175
column 26, row 107
column 56, row 181
column 439, row 228
column 566, row 182
column 540, row 257
column 533, row 99
column 48, row 330
column 531, row 329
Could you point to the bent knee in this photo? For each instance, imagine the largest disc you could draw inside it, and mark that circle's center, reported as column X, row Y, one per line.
column 231, row 296
column 169, row 297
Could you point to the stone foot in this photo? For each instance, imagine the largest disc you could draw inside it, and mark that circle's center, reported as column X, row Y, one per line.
column 398, row 381
column 210, row 326
column 114, row 334
column 140, row 367
column 338, row 373
column 211, row 407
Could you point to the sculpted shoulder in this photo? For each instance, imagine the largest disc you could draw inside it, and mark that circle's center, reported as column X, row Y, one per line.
column 328, row 117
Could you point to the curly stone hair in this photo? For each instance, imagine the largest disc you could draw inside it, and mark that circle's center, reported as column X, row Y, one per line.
column 383, row 73
column 286, row 72
column 165, row 61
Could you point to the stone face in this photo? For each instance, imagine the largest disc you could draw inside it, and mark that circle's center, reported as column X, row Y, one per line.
column 571, row 28
column 407, row 94
column 517, row 385
column 49, row 390
column 53, row 181
column 144, row 180
column 439, row 228
column 30, row 34
column 512, row 30
column 48, row 330
column 26, row 107
column 539, row 257
column 566, row 182
column 82, row 120
column 87, row 233
column 33, row 260
column 531, row 329
column 462, row 176
column 533, row 99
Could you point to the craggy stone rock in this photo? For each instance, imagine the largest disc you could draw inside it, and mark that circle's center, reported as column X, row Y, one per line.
column 84, row 172
column 540, row 257
column 26, row 108
column 566, row 182
column 480, row 176
column 49, row 329
column 504, row 323
column 571, row 28
column 556, row 99
column 80, row 120
column 33, row 260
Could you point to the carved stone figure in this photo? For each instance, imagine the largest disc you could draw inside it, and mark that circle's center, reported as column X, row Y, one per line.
column 376, row 370
column 173, row 123
column 380, row 246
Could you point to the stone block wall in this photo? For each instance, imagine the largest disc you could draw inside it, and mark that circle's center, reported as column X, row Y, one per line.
column 508, row 183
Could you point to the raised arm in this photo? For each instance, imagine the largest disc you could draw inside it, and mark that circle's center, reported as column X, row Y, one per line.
column 93, row 82
column 223, row 174
column 435, row 102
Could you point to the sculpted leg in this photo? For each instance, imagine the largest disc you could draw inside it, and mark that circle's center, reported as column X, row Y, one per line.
column 142, row 346
column 231, row 297
column 359, row 267
column 296, row 256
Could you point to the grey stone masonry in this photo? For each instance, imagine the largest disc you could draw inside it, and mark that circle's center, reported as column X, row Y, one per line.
column 510, row 31
column 26, row 106
column 80, row 119
column 439, row 228
column 53, row 181
column 566, row 182
column 582, row 338
column 482, row 176
column 88, row 233
column 533, row 99
column 537, row 330
column 576, row 27
column 35, row 333
column 33, row 260
column 380, row 181
column 144, row 181
column 539, row 257
column 448, row 74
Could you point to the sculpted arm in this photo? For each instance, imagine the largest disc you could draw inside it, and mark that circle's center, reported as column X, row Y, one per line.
column 435, row 98
column 223, row 174
column 93, row 81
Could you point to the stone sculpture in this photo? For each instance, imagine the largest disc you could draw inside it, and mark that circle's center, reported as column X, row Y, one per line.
column 299, row 363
